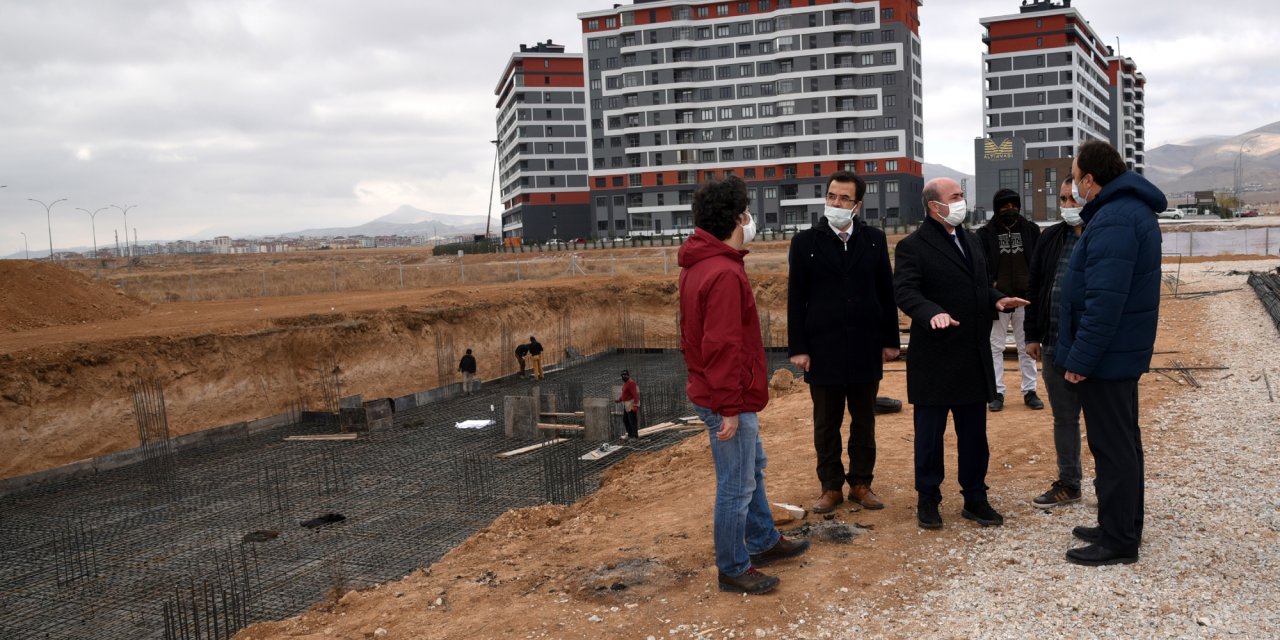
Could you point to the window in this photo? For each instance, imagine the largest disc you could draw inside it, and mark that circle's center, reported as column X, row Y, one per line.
column 890, row 144
column 592, row 25
column 726, row 113
column 746, row 91
column 888, row 57
column 868, row 59
column 891, row 101
column 891, row 165
column 871, row 167
column 886, row 35
column 872, row 187
column 886, row 14
column 748, row 111
column 722, row 10
column 889, row 79
column 770, row 193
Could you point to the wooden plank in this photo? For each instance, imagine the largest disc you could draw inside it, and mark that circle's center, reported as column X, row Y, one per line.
column 327, row 436
column 560, row 427
column 571, row 414
column 657, row 428
column 600, row 452
column 532, row 447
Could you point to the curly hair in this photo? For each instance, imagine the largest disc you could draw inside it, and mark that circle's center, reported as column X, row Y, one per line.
column 717, row 205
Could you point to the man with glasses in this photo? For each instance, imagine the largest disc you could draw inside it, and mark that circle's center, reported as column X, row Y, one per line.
column 1048, row 263
column 842, row 327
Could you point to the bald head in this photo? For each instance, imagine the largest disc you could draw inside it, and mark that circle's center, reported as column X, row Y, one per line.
column 938, row 193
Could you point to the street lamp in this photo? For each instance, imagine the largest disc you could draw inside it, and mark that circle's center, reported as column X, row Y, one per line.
column 1239, row 170
column 93, row 226
column 492, row 178
column 125, row 211
column 48, row 218
column 24, row 245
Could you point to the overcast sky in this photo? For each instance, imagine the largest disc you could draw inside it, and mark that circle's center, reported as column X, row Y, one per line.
column 255, row 117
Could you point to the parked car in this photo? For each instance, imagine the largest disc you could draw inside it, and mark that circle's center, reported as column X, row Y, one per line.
column 1175, row 214
column 1251, row 213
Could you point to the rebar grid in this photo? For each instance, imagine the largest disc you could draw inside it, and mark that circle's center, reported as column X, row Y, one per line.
column 219, row 544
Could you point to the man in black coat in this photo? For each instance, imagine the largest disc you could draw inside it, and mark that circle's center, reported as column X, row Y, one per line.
column 467, row 365
column 841, row 327
column 941, row 283
column 1008, row 241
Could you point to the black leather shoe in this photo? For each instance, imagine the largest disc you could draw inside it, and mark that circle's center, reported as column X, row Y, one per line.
column 997, row 404
column 1032, row 400
column 1096, row 555
column 927, row 515
column 783, row 549
column 1089, row 534
column 982, row 513
column 752, row 582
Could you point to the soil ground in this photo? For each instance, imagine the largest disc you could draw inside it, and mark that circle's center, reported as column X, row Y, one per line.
column 633, row 560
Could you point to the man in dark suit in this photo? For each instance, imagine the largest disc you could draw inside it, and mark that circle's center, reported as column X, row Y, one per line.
column 941, row 283
column 841, row 327
column 1107, row 333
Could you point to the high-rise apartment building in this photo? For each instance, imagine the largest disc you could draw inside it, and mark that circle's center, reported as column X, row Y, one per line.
column 542, row 146
column 1050, row 82
column 779, row 93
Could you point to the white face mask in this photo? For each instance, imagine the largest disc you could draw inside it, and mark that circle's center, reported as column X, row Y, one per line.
column 838, row 217
column 749, row 229
column 1075, row 192
column 956, row 212
column 1071, row 215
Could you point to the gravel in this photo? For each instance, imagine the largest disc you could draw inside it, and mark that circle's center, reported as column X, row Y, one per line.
column 1209, row 558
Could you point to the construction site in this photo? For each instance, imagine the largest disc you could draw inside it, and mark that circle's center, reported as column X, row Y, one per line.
column 310, row 466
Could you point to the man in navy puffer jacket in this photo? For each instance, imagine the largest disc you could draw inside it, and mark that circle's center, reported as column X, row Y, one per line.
column 1107, row 332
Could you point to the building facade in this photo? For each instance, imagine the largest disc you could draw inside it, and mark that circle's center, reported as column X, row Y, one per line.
column 542, row 155
column 1051, row 83
column 779, row 93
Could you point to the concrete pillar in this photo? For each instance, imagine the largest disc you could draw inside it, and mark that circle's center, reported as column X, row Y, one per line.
column 520, row 417
column 597, row 420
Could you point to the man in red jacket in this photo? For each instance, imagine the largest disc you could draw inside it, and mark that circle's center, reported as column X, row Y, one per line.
column 724, row 353
column 630, row 399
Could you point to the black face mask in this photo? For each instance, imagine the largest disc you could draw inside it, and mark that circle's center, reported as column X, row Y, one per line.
column 625, row 378
column 1008, row 215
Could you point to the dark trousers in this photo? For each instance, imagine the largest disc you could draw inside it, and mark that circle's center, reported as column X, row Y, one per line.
column 829, row 402
column 972, row 453
column 631, row 421
column 520, row 359
column 1111, row 415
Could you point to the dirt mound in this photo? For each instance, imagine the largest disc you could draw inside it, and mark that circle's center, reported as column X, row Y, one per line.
column 37, row 294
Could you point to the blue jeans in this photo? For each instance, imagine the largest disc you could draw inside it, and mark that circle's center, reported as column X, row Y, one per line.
column 743, row 521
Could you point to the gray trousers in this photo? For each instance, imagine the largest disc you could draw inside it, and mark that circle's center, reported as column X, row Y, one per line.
column 1066, row 423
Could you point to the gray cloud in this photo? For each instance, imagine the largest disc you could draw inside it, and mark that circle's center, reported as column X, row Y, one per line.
column 231, row 116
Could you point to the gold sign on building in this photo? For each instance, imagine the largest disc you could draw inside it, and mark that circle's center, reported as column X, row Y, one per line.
column 993, row 151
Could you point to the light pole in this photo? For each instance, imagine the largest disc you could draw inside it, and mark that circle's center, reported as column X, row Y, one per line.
column 496, row 149
column 48, row 218
column 93, row 226
column 125, row 211
column 24, row 245
column 1239, row 177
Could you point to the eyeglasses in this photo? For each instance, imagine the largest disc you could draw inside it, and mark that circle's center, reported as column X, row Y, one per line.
column 840, row 199
column 1064, row 198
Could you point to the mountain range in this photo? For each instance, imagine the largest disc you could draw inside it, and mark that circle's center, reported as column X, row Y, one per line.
column 405, row 221
column 1209, row 162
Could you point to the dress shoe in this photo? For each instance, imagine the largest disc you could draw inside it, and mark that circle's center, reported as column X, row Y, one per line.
column 863, row 495
column 1096, row 555
column 997, row 404
column 1032, row 400
column 1089, row 534
column 828, row 501
column 927, row 515
column 982, row 513
column 752, row 582
column 783, row 549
